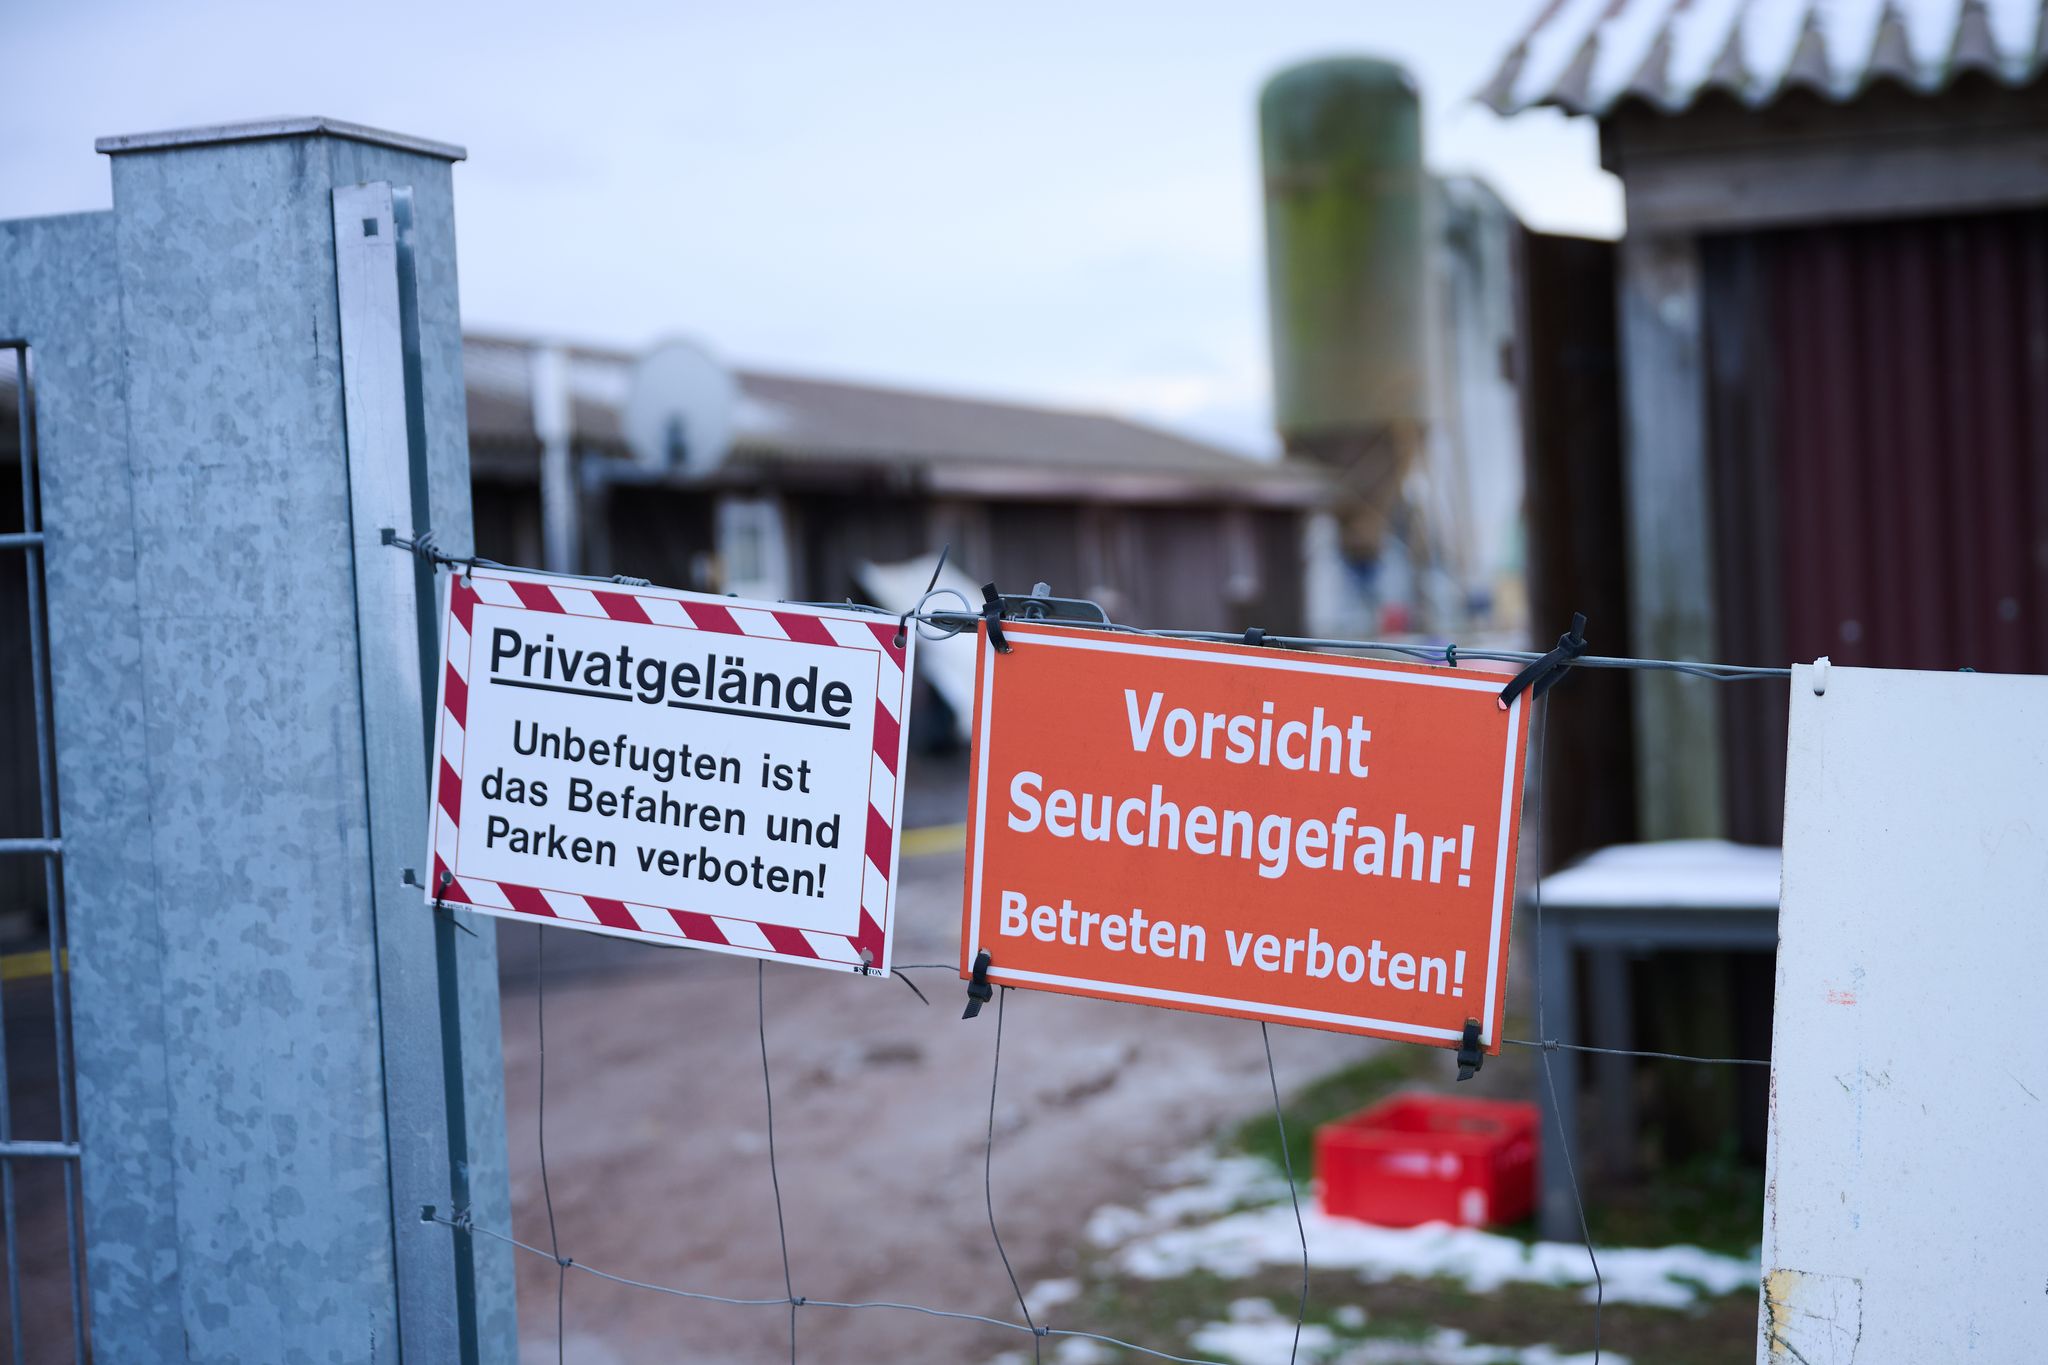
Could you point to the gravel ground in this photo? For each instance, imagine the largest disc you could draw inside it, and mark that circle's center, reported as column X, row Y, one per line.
column 657, row 1137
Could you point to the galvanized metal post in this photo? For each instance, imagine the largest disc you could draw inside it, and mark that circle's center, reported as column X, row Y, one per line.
column 386, row 446
column 268, row 1021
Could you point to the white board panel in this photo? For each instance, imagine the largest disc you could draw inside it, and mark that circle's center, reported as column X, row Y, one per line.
column 1906, row 1217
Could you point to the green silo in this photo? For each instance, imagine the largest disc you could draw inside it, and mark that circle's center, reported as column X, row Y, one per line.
column 1341, row 141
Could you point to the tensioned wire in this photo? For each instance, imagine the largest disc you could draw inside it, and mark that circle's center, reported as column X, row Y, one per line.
column 951, row 623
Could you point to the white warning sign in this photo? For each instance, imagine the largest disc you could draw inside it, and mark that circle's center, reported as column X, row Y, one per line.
column 671, row 766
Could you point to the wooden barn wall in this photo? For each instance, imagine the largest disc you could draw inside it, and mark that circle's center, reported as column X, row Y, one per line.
column 1198, row 568
column 1187, row 568
column 1877, row 399
column 831, row 533
column 1201, row 568
column 1214, row 568
column 506, row 518
column 1037, row 542
column 1578, row 533
column 663, row 535
column 1283, row 582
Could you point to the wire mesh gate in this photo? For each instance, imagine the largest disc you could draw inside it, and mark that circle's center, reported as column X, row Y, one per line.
column 1540, row 670
column 39, row 1148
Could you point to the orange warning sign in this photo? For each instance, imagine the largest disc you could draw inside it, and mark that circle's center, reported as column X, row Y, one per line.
column 1306, row 838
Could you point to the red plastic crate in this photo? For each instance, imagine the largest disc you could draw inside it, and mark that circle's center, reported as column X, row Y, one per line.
column 1420, row 1158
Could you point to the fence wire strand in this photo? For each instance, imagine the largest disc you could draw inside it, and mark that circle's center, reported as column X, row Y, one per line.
column 1293, row 1192
column 1564, row 1139
column 774, row 1171
column 1553, row 1045
column 465, row 1227
column 988, row 1179
column 547, row 1194
column 951, row 623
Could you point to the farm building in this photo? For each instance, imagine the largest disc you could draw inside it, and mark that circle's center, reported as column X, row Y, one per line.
column 1833, row 356
column 818, row 477
column 1798, row 411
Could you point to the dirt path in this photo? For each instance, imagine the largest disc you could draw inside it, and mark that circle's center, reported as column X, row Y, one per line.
column 657, row 1139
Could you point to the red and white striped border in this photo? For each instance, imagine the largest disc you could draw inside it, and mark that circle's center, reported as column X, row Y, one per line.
column 865, row 950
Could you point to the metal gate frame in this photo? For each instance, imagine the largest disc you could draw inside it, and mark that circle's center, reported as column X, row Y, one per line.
column 47, row 845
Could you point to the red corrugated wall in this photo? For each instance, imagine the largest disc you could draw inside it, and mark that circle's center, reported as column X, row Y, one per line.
column 1878, row 441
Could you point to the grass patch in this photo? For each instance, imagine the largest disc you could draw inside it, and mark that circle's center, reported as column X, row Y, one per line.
column 1166, row 1313
column 1151, row 1311
column 1714, row 1201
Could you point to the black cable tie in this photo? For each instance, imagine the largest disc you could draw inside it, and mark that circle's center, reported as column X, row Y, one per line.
column 992, row 617
column 1451, row 654
column 1542, row 675
column 1471, row 1056
column 1254, row 636
column 441, row 907
column 979, row 991
column 447, row 912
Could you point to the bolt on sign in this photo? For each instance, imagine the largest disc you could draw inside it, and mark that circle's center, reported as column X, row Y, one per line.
column 1303, row 838
column 671, row 767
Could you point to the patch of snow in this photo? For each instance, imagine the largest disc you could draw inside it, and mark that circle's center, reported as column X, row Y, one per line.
column 1191, row 1228
column 1241, row 1243
column 1047, row 1294
column 1446, row 1346
column 1206, row 1184
column 1259, row 1334
column 1677, row 873
column 1081, row 1351
column 1350, row 1317
column 1112, row 1224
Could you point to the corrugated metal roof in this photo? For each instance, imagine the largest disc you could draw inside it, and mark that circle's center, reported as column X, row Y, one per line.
column 1592, row 56
column 784, row 419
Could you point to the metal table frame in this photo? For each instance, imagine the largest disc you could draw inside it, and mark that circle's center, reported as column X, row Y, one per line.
column 1606, row 935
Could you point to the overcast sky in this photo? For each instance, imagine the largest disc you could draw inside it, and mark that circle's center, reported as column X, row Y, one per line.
column 1054, row 201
